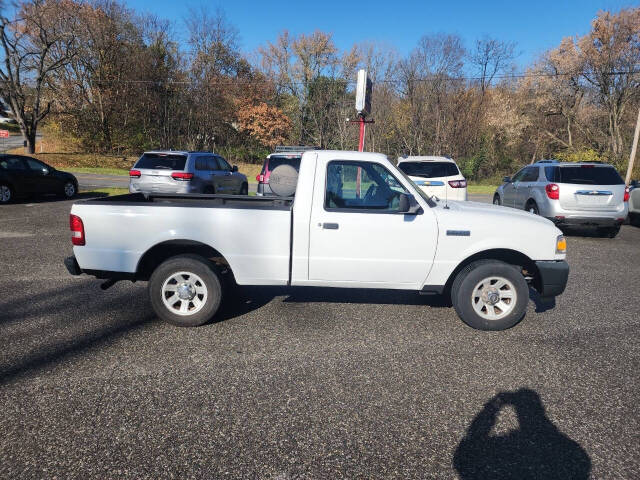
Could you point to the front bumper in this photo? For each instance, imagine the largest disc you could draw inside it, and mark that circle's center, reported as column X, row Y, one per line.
column 553, row 276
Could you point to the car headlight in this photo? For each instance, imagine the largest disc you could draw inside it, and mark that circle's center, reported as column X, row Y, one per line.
column 561, row 244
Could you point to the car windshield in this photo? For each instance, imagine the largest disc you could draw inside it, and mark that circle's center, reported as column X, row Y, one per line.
column 161, row 161
column 587, row 175
column 429, row 169
column 277, row 161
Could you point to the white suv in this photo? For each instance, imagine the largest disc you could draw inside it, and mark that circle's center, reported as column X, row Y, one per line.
column 437, row 176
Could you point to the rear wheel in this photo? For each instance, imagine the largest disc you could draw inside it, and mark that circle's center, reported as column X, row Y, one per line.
column 6, row 193
column 532, row 207
column 496, row 199
column 69, row 190
column 244, row 190
column 490, row 295
column 185, row 290
column 209, row 190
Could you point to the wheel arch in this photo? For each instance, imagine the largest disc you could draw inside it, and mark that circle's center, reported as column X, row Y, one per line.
column 512, row 257
column 160, row 252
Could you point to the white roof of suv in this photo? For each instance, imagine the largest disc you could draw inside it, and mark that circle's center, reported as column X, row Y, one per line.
column 425, row 158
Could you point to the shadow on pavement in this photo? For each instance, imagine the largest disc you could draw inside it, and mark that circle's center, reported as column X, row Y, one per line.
column 53, row 340
column 542, row 305
column 536, row 450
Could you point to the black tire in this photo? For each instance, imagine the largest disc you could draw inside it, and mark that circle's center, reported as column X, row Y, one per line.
column 6, row 193
column 209, row 190
column 244, row 190
column 467, row 280
column 634, row 219
column 496, row 200
column 532, row 207
column 609, row 232
column 200, row 272
column 69, row 189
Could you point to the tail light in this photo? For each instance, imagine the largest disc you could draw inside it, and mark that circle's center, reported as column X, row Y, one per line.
column 77, row 230
column 553, row 191
column 458, row 183
column 260, row 178
column 626, row 194
column 135, row 173
column 182, row 176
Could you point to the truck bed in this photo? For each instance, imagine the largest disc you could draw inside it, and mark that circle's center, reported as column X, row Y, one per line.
column 194, row 200
column 252, row 233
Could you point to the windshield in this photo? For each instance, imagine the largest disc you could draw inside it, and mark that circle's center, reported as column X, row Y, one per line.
column 429, row 169
column 584, row 175
column 161, row 161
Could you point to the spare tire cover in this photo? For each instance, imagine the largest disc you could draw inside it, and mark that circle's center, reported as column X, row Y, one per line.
column 283, row 180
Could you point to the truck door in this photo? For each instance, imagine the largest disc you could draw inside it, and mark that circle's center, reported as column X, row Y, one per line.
column 362, row 240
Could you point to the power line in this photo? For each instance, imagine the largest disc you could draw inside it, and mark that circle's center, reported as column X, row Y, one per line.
column 430, row 78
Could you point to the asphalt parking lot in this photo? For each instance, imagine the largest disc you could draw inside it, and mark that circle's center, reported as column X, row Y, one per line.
column 312, row 383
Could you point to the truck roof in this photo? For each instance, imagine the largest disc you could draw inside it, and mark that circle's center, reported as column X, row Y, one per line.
column 176, row 152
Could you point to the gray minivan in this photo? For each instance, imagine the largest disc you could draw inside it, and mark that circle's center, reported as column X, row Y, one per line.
column 185, row 172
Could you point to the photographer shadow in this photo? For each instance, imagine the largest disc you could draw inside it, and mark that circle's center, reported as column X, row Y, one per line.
column 536, row 450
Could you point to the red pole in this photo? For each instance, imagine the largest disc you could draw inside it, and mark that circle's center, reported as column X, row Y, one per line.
column 361, row 142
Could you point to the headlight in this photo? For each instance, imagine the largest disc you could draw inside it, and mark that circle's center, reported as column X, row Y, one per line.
column 561, row 244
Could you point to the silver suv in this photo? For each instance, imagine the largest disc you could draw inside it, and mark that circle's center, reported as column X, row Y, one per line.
column 569, row 194
column 185, row 172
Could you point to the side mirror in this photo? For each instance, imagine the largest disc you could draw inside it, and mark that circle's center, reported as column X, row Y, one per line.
column 407, row 204
column 506, row 179
column 234, row 168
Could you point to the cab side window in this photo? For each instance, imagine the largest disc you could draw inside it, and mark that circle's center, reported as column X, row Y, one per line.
column 201, row 163
column 224, row 165
column 518, row 176
column 530, row 174
column 361, row 186
column 12, row 163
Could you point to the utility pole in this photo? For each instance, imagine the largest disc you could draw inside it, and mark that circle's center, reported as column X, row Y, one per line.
column 632, row 157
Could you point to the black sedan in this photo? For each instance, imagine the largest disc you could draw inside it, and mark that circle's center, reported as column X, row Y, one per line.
column 20, row 176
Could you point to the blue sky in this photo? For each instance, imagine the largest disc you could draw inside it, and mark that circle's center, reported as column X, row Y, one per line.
column 534, row 25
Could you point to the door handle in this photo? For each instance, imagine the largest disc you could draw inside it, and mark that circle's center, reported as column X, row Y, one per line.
column 330, row 226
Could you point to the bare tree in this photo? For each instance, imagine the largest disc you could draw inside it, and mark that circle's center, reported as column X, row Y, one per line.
column 36, row 41
column 490, row 58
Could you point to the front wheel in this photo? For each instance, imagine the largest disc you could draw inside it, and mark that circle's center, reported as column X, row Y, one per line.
column 496, row 199
column 244, row 190
column 185, row 290
column 490, row 295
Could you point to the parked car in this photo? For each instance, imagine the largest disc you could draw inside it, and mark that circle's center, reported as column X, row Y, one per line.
column 439, row 176
column 284, row 155
column 634, row 203
column 5, row 119
column 393, row 237
column 585, row 194
column 22, row 175
column 185, row 172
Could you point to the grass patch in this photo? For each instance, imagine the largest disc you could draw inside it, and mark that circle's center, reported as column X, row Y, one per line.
column 107, row 190
column 100, row 170
column 480, row 189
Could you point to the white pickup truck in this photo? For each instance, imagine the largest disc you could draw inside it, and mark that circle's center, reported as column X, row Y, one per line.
column 355, row 221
